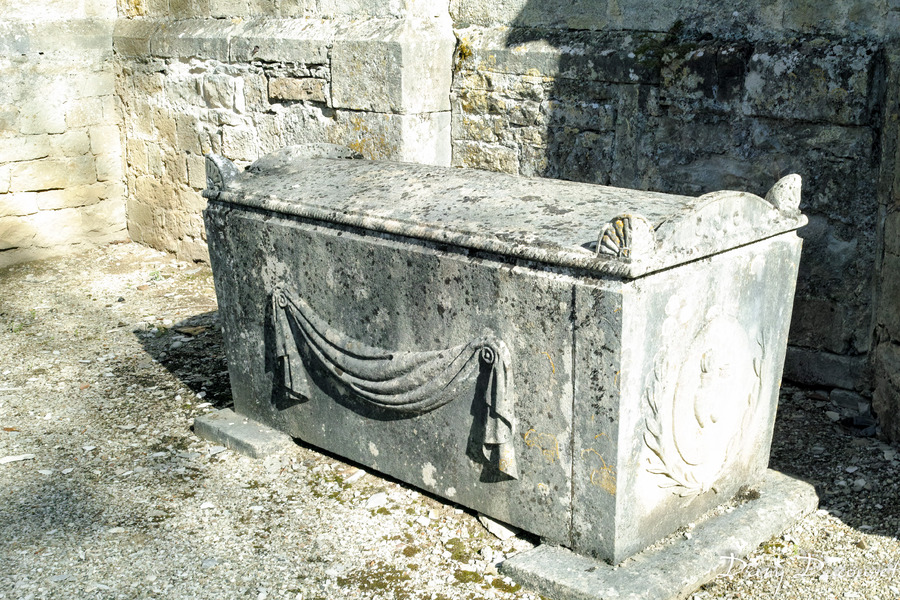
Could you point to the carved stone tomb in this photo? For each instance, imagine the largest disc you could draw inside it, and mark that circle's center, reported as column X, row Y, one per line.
column 595, row 365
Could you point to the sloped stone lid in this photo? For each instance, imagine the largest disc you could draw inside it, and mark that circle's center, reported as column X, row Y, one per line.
column 607, row 230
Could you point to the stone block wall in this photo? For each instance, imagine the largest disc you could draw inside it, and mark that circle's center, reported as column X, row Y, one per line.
column 681, row 100
column 61, row 160
column 377, row 82
column 664, row 95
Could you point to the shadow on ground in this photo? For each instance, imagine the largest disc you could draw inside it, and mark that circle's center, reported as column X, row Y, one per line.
column 193, row 351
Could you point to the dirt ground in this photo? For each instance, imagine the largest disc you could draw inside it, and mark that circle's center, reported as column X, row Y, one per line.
column 105, row 492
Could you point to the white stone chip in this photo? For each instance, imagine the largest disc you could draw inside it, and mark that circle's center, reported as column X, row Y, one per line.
column 16, row 458
column 376, row 501
column 496, row 528
column 355, row 477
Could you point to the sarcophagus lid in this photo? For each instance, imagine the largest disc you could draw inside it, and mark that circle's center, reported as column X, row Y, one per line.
column 607, row 230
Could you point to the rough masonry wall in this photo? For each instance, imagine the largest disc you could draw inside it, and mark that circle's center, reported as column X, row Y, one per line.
column 377, row 82
column 698, row 103
column 61, row 162
column 667, row 95
column 886, row 344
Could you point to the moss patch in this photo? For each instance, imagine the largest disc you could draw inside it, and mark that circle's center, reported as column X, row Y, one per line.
column 467, row 576
column 381, row 577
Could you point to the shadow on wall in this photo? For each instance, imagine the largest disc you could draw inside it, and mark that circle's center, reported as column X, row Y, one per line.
column 687, row 112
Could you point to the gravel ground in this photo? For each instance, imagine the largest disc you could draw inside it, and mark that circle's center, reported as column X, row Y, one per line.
column 105, row 492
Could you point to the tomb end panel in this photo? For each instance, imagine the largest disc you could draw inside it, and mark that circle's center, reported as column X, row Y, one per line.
column 702, row 353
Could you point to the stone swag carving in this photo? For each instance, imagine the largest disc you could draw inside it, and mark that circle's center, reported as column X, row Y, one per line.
column 408, row 383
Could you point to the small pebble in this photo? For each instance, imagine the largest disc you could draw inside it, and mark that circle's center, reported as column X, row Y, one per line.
column 376, row 501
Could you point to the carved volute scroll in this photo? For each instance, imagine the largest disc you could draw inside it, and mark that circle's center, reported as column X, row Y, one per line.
column 219, row 173
column 785, row 194
column 626, row 236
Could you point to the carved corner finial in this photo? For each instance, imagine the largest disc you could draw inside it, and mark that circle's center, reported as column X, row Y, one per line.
column 219, row 173
column 626, row 236
column 785, row 194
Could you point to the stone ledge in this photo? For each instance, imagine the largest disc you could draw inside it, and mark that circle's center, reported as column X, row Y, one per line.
column 675, row 569
column 814, row 367
column 384, row 57
column 240, row 433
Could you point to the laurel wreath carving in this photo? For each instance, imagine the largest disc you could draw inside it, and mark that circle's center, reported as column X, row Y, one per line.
column 678, row 474
column 675, row 473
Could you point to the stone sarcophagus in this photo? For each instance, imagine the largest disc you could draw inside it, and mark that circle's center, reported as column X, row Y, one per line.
column 594, row 365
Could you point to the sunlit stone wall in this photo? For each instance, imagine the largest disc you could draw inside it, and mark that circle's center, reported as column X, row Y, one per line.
column 61, row 161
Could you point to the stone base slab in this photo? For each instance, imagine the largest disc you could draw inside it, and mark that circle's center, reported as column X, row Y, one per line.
column 676, row 568
column 240, row 433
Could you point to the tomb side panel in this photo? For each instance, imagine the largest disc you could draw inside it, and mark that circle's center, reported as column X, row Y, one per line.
column 400, row 297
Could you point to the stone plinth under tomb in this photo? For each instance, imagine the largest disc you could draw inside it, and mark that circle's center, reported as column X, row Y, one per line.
column 594, row 365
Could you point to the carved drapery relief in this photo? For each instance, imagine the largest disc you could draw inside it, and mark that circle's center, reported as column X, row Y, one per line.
column 403, row 382
column 699, row 407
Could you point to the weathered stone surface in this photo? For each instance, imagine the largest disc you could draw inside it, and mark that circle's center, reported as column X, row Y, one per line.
column 110, row 167
column 106, row 139
column 585, row 433
column 53, row 173
column 889, row 318
column 15, row 232
column 677, row 568
column 132, row 37
column 289, row 88
column 42, row 117
column 75, row 196
column 23, row 148
column 473, row 154
column 240, row 433
column 189, row 38
column 369, row 54
column 784, row 17
column 292, row 40
column 816, row 81
column 687, row 113
column 71, row 143
column 18, row 204
column 886, row 398
column 813, row 367
column 83, row 113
